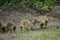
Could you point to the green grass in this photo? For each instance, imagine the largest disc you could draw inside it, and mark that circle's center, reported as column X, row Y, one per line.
column 51, row 33
column 1, row 39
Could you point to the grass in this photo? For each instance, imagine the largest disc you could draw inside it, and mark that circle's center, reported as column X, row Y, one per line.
column 1, row 39
column 51, row 33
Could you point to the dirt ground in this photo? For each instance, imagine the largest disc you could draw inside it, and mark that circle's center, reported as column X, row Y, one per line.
column 16, row 17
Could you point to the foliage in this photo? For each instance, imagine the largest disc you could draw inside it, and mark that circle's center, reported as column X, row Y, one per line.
column 44, row 5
